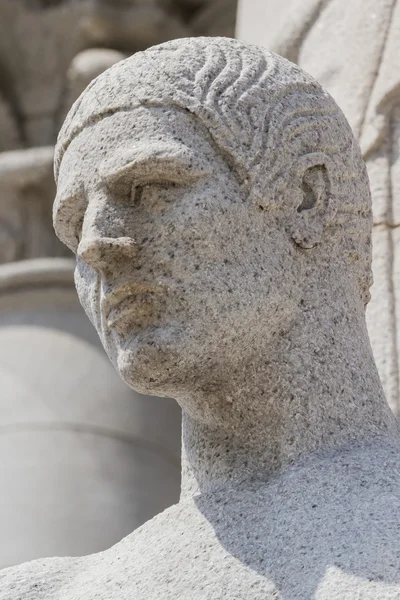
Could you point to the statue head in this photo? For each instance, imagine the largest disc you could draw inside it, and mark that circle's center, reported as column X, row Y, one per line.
column 205, row 186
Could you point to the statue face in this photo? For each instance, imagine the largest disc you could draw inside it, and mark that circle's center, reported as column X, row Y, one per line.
column 178, row 272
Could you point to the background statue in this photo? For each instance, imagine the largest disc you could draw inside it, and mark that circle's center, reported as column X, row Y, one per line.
column 220, row 213
column 352, row 47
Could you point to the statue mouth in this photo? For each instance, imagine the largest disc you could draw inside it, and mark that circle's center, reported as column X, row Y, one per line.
column 133, row 305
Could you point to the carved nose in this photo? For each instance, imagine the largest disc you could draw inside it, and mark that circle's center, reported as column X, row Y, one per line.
column 101, row 253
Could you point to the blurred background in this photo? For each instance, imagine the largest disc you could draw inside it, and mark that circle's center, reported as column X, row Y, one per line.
column 84, row 459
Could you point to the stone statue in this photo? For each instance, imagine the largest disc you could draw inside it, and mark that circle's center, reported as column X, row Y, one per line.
column 220, row 212
column 352, row 47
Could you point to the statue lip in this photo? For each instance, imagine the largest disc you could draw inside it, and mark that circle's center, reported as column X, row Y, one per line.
column 140, row 299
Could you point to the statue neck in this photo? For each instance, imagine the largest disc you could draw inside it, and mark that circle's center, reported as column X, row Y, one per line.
column 317, row 392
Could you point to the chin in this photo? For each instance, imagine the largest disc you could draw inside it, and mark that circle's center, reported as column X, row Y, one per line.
column 149, row 364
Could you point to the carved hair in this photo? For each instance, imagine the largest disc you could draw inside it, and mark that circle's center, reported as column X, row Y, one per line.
column 262, row 111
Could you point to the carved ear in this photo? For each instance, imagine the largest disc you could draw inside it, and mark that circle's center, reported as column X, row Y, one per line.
column 313, row 207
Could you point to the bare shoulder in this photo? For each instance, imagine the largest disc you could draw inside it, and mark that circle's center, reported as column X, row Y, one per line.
column 42, row 579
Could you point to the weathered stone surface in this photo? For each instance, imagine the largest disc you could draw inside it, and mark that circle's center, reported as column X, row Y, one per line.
column 219, row 209
column 84, row 459
column 352, row 48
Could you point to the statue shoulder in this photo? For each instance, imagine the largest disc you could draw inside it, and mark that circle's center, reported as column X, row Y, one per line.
column 78, row 577
column 41, row 579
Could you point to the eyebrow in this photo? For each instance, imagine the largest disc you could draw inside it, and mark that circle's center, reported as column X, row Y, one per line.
column 153, row 163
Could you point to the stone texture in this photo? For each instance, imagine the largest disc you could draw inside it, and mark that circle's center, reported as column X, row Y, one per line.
column 352, row 48
column 219, row 209
column 84, row 459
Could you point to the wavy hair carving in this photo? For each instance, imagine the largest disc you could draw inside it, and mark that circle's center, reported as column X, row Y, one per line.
column 263, row 113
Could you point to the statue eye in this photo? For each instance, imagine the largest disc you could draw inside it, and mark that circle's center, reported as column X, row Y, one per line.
column 136, row 194
column 154, row 195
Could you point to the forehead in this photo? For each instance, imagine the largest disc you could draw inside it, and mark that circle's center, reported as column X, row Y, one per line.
column 106, row 145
